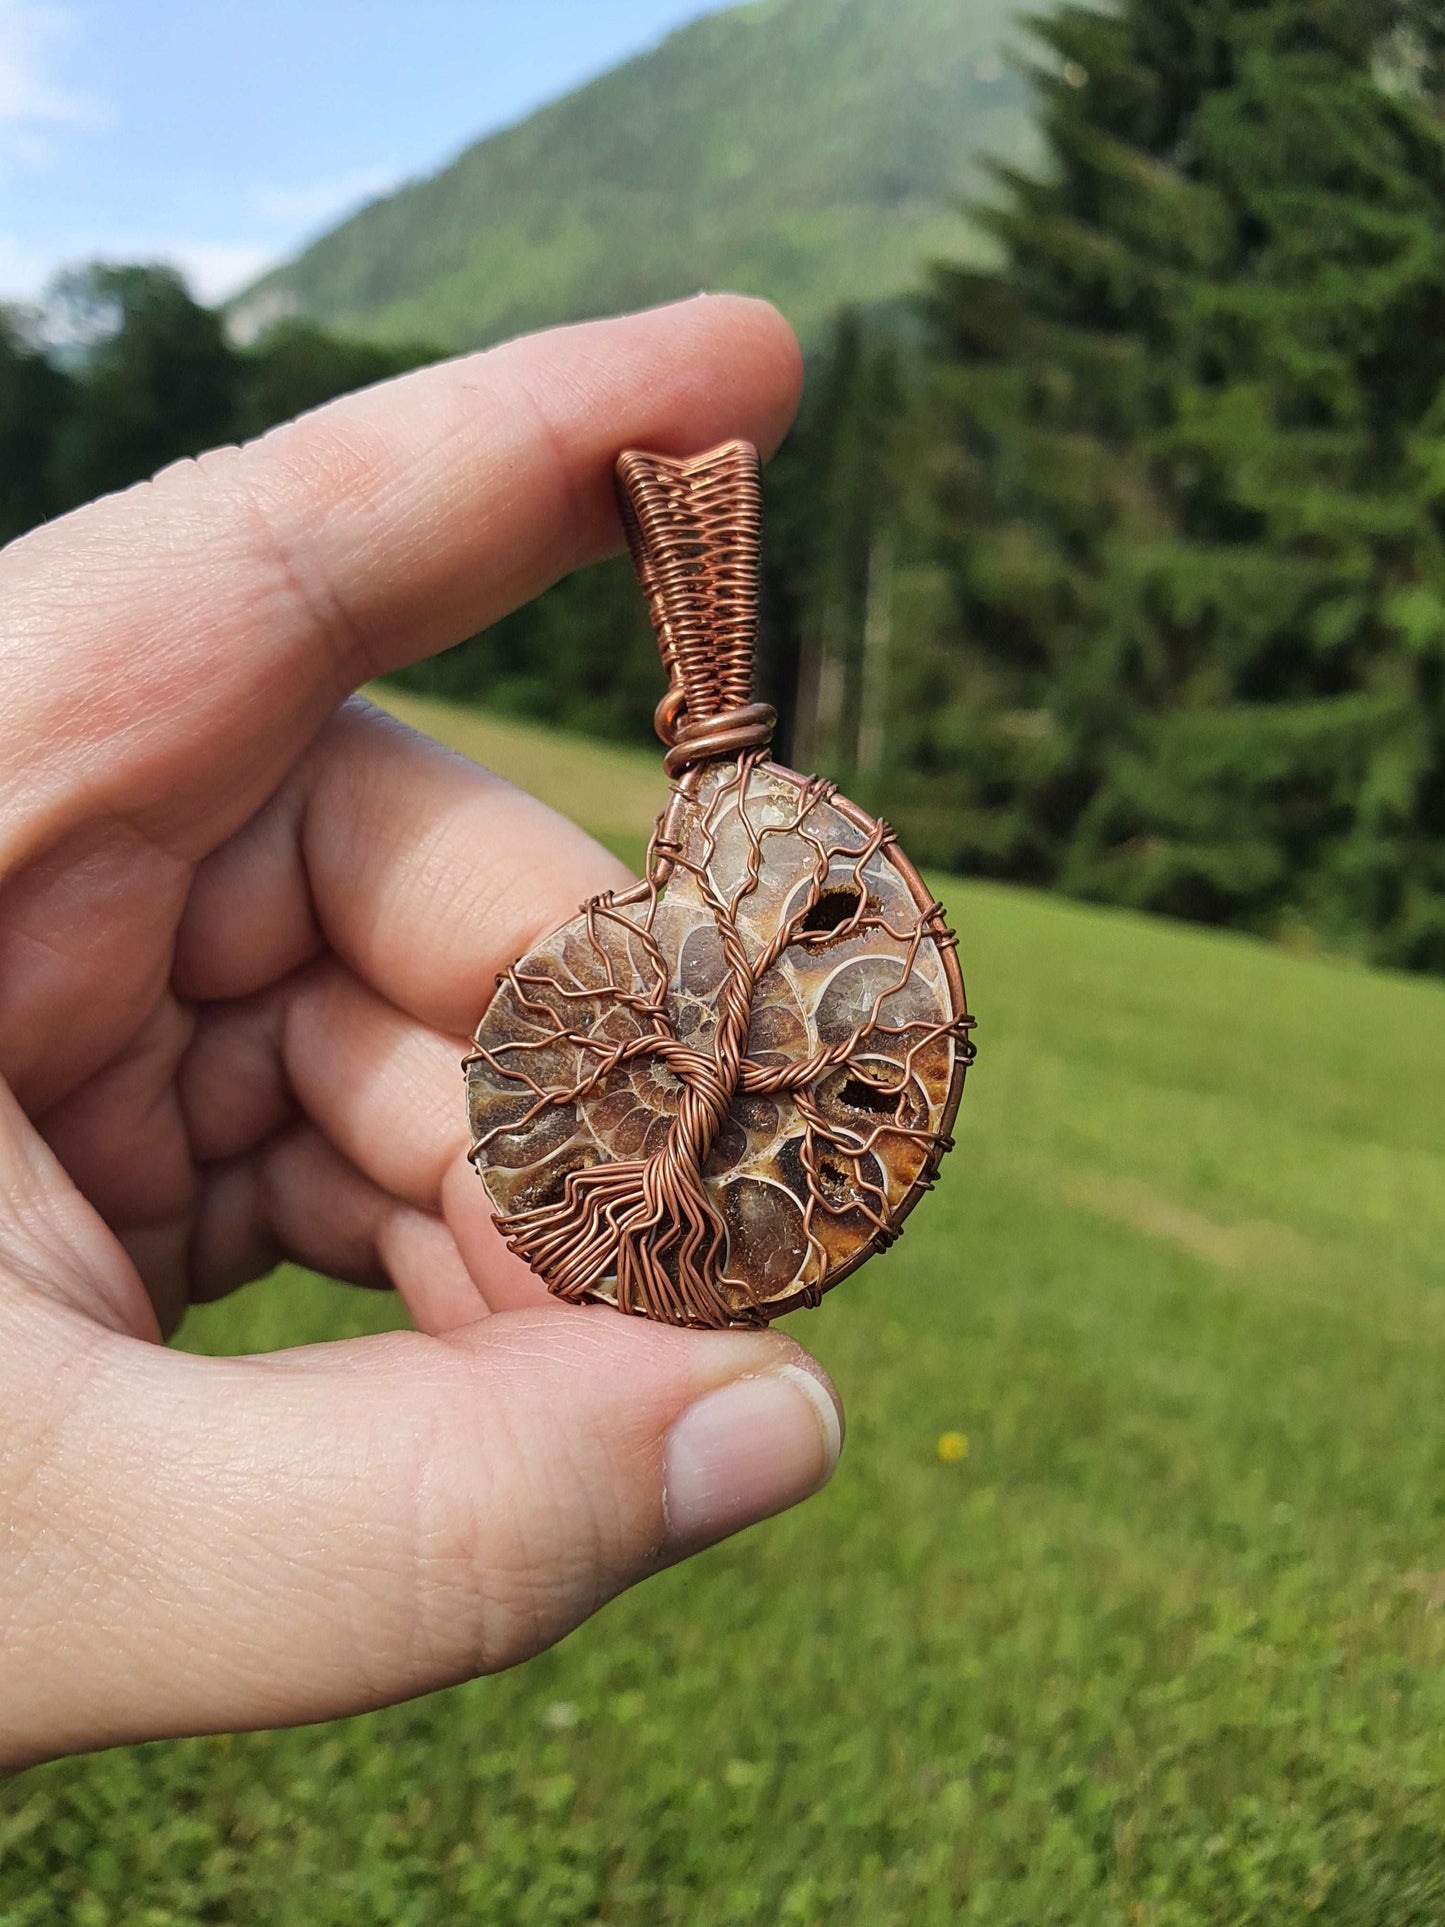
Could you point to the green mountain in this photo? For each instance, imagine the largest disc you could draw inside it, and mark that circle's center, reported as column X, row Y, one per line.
column 810, row 150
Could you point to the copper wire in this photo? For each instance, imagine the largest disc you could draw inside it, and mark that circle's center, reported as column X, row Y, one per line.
column 647, row 1224
column 695, row 531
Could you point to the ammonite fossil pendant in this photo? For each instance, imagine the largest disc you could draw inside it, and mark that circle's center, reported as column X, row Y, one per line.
column 708, row 1100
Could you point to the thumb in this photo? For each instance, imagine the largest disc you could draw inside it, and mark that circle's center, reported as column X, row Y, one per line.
column 207, row 1544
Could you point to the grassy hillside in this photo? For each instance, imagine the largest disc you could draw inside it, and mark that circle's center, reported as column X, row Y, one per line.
column 1166, row 1646
column 809, row 150
column 614, row 790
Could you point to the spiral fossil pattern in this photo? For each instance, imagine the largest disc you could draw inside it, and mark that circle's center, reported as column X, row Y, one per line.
column 709, row 1100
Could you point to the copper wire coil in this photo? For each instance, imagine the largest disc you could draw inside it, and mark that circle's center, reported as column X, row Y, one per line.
column 695, row 531
column 729, row 735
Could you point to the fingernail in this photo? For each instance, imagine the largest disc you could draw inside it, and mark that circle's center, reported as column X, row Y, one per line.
column 746, row 1451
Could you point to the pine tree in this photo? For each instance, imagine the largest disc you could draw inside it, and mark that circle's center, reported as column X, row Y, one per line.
column 837, row 504
column 1194, row 492
column 159, row 379
column 35, row 403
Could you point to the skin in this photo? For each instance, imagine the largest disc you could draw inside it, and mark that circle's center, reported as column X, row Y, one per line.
column 246, row 924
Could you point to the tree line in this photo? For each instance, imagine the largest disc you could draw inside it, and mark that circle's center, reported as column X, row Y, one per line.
column 1116, row 567
column 121, row 371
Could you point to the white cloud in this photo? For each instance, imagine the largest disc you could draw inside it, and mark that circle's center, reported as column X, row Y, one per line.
column 22, row 273
column 42, row 47
column 261, row 226
column 36, row 39
column 318, row 203
column 214, row 269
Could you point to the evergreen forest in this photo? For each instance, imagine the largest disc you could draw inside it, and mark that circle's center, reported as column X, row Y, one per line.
column 1114, row 565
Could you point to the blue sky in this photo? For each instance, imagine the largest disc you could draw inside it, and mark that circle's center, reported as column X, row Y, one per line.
column 218, row 134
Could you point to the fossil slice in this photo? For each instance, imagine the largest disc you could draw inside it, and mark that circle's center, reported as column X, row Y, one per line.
column 709, row 1100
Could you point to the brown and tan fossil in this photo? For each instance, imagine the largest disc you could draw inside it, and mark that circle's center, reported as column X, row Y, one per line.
column 708, row 1100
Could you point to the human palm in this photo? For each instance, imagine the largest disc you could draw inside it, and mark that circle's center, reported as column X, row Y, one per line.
column 245, row 924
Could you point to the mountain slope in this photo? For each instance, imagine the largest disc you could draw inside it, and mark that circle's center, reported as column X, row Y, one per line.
column 809, row 150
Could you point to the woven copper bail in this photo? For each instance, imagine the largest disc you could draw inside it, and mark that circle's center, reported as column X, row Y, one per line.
column 695, row 531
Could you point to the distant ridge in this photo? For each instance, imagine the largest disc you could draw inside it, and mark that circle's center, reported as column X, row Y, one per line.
column 809, row 150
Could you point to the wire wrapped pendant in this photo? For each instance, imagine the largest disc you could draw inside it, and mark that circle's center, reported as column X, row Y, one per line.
column 708, row 1100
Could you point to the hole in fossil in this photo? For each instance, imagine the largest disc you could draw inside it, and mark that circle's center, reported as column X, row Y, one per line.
column 838, row 1178
column 835, row 907
column 833, row 1178
column 859, row 1095
column 849, row 1191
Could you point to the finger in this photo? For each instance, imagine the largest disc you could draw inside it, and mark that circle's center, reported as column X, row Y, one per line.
column 231, row 1084
column 295, row 1197
column 433, row 875
column 385, row 1090
column 386, row 1095
column 210, row 1544
column 505, row 1281
column 172, row 649
column 122, row 1138
column 426, row 873
column 54, row 1245
column 194, row 1170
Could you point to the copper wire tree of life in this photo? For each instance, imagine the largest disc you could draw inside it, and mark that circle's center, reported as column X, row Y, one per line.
column 709, row 1099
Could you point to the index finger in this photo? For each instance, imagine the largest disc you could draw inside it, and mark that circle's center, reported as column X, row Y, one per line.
column 179, row 644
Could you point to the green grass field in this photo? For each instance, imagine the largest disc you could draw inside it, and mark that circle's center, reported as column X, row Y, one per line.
column 1164, row 1646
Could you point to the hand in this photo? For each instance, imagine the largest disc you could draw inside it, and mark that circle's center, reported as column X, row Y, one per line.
column 245, row 927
